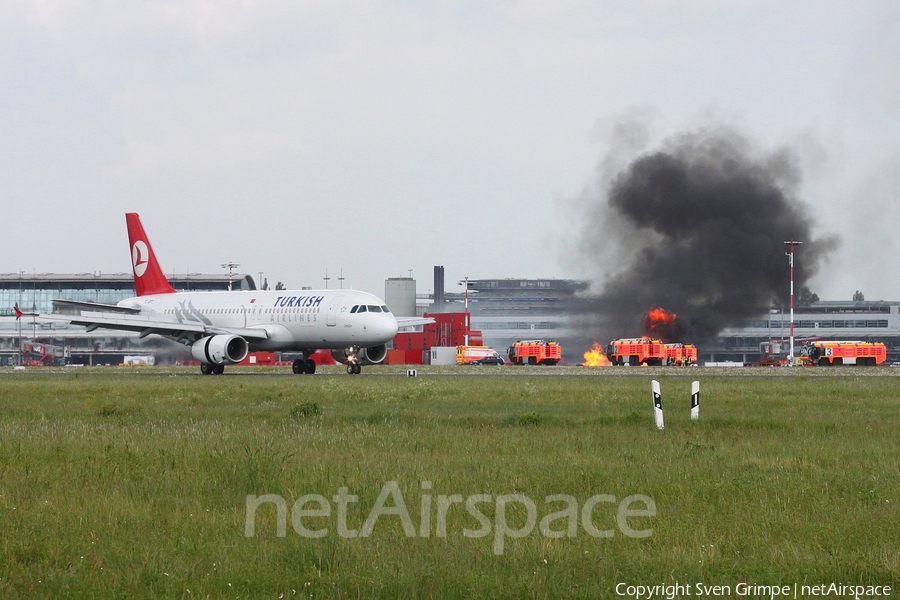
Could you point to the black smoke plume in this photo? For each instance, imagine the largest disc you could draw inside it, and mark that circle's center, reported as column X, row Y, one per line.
column 696, row 227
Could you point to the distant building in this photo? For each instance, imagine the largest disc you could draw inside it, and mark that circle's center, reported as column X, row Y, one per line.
column 506, row 310
column 72, row 343
column 400, row 296
column 827, row 320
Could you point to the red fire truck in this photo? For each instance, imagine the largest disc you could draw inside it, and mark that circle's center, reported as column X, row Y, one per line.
column 644, row 350
column 635, row 351
column 681, row 355
column 534, row 352
column 843, row 353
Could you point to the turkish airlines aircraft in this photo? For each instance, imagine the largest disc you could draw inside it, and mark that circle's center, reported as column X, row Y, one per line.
column 223, row 327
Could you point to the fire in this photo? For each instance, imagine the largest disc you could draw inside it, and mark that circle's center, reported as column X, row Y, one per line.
column 595, row 357
column 661, row 324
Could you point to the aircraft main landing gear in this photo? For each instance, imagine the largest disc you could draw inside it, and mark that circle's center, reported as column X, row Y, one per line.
column 301, row 366
column 211, row 369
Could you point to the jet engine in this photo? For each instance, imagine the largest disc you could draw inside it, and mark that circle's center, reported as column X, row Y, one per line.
column 367, row 356
column 374, row 355
column 220, row 349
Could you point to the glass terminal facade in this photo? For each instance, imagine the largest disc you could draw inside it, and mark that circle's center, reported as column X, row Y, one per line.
column 35, row 293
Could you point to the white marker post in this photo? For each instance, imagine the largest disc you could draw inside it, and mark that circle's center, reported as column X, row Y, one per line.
column 695, row 400
column 657, row 404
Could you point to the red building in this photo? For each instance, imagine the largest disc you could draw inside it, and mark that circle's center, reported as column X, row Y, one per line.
column 448, row 329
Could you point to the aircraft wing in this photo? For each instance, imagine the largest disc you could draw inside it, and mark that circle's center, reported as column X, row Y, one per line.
column 146, row 325
column 97, row 306
column 413, row 321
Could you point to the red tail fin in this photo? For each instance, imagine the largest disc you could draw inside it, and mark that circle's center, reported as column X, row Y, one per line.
column 148, row 277
column 19, row 313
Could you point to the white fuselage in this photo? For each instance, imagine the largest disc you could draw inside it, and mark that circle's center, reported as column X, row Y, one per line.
column 292, row 320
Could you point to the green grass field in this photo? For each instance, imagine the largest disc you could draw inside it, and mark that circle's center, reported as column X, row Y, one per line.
column 134, row 483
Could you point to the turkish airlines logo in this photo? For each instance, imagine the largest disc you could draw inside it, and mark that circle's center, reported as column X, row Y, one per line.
column 139, row 258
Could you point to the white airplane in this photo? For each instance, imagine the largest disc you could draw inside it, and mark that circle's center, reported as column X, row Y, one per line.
column 223, row 327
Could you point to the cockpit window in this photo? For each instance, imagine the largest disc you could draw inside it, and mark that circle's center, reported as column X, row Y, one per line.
column 385, row 309
column 362, row 308
column 374, row 308
column 354, row 309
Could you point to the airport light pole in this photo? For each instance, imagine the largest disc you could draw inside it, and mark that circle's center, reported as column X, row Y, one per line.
column 231, row 267
column 465, row 282
column 790, row 255
column 19, row 323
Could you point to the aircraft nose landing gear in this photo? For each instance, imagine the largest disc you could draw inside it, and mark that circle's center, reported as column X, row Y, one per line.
column 354, row 367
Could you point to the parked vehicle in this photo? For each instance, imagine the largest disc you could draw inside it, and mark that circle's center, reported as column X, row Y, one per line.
column 534, row 352
column 478, row 355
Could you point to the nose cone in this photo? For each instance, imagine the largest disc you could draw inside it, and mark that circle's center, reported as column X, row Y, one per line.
column 387, row 327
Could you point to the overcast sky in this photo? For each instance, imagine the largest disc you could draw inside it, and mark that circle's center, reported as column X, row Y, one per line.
column 377, row 137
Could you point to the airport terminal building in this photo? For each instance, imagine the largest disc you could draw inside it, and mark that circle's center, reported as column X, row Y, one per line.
column 865, row 321
column 504, row 310
column 62, row 343
column 507, row 310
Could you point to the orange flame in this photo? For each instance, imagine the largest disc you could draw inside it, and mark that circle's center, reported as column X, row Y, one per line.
column 660, row 323
column 595, row 357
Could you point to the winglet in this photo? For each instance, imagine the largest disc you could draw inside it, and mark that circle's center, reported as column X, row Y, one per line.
column 148, row 277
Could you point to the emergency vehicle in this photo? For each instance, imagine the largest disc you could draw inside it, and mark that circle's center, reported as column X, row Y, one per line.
column 681, row 355
column 645, row 350
column 634, row 351
column 843, row 353
column 478, row 355
column 534, row 352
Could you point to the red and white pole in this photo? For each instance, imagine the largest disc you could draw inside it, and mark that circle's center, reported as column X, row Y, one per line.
column 790, row 254
column 467, row 311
